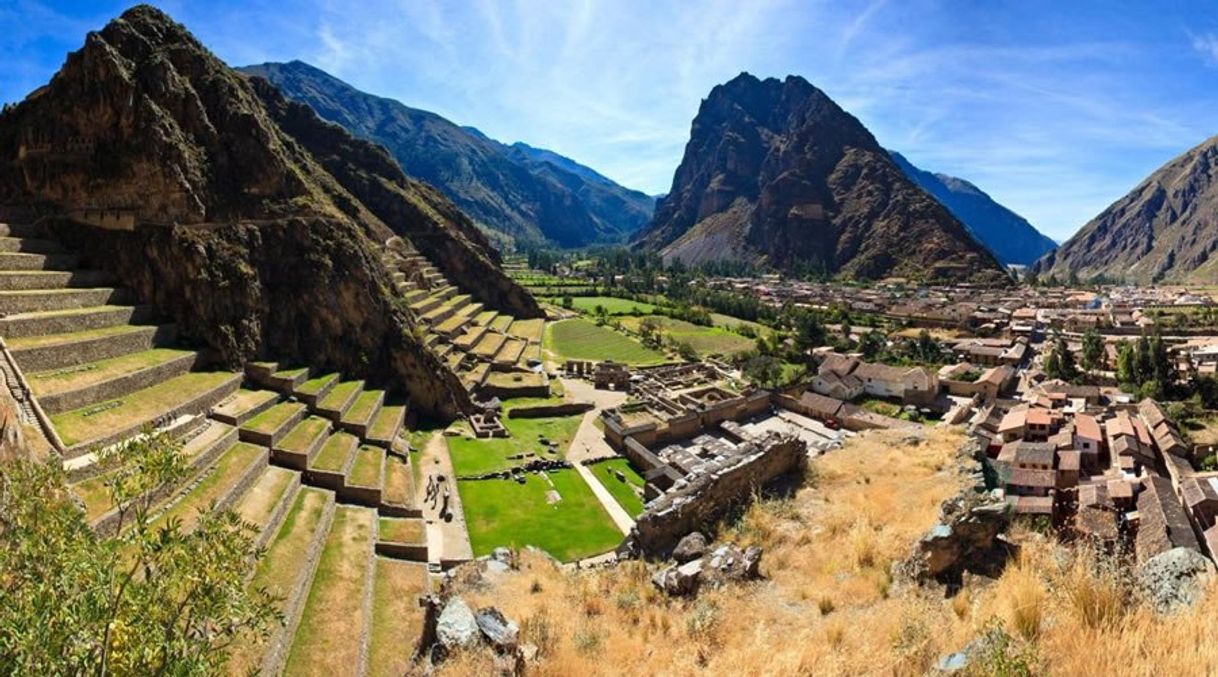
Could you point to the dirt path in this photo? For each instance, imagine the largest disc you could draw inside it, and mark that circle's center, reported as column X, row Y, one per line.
column 589, row 443
column 445, row 540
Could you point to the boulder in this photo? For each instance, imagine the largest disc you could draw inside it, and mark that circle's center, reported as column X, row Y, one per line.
column 690, row 548
column 1174, row 579
column 752, row 562
column 968, row 538
column 679, row 579
column 502, row 633
column 457, row 627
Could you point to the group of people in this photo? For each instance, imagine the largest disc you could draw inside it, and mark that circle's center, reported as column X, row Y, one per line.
column 434, row 484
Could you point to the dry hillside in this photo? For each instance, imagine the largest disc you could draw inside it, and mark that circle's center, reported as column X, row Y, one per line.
column 829, row 605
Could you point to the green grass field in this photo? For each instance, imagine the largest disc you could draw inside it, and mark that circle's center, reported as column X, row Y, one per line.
column 705, row 340
column 505, row 513
column 611, row 304
column 479, row 456
column 630, row 501
column 583, row 340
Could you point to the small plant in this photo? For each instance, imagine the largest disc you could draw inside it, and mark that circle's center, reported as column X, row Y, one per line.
column 826, row 606
column 588, row 641
column 537, row 630
column 702, row 620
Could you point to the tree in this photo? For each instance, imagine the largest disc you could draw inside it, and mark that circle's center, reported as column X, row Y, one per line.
column 649, row 330
column 568, row 302
column 687, row 352
column 1060, row 362
column 1126, row 365
column 154, row 599
column 1093, row 350
column 872, row 344
column 764, row 370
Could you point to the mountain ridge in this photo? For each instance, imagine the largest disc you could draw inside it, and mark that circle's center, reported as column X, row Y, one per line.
column 776, row 172
column 505, row 189
column 1010, row 236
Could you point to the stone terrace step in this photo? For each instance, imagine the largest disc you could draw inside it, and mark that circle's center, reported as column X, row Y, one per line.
column 55, row 351
column 385, row 426
column 471, row 337
column 234, row 472
column 453, row 325
column 301, row 443
column 81, row 385
column 362, row 412
column 366, row 477
column 199, row 452
column 328, row 469
column 27, row 280
column 244, row 405
column 511, row 351
column 332, row 635
column 268, row 500
column 29, row 245
column 40, row 323
column 397, row 499
column 107, row 422
column 315, row 389
column 402, row 538
column 286, row 571
column 268, row 427
column 340, row 398
column 12, row 302
column 489, row 345
column 283, row 380
column 396, row 588
column 21, row 261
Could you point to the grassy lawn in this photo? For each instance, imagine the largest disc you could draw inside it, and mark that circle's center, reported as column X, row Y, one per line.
column 479, row 456
column 580, row 339
column 505, row 513
column 879, row 406
column 622, row 492
column 705, row 340
column 612, row 305
column 328, row 639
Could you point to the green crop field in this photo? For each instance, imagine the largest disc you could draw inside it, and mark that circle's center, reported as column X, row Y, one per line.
column 705, row 340
column 479, row 456
column 622, row 492
column 583, row 340
column 611, row 304
column 506, row 513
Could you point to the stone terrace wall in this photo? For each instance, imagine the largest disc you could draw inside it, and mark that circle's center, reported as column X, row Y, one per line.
column 699, row 501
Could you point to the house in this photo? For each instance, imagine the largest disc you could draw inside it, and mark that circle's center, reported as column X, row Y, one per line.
column 1162, row 522
column 1088, row 440
column 833, row 385
column 1041, row 423
column 1200, row 496
column 1013, row 425
column 820, row 406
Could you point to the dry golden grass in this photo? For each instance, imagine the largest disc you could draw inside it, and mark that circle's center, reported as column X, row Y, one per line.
column 829, row 606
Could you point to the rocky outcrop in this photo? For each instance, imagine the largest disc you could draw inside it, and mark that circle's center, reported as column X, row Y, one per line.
column 1007, row 234
column 775, row 172
column 259, row 224
column 1162, row 231
column 726, row 563
column 1174, row 579
column 525, row 193
column 968, row 538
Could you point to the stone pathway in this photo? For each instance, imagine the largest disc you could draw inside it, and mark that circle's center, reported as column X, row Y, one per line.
column 445, row 540
column 589, row 444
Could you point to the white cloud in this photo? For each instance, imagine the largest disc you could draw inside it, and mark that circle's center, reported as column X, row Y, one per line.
column 1207, row 46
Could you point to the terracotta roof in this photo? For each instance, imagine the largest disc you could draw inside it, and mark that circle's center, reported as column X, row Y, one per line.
column 1014, row 420
column 1068, row 460
column 820, row 404
column 1039, row 416
column 1086, row 426
column 1026, row 477
column 1163, row 524
column 1035, row 453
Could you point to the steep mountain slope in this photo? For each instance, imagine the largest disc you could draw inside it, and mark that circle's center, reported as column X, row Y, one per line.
column 257, row 222
column 525, row 196
column 1165, row 229
column 775, row 171
column 1007, row 234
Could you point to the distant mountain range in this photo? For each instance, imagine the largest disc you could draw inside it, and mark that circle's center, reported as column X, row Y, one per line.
column 775, row 172
column 1007, row 234
column 524, row 193
column 1164, row 230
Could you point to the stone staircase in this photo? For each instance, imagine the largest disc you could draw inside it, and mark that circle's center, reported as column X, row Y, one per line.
column 470, row 339
column 314, row 462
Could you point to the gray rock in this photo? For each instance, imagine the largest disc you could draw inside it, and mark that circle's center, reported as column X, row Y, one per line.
column 690, row 548
column 679, row 579
column 952, row 662
column 1174, row 579
column 752, row 563
column 457, row 627
column 502, row 555
column 502, row 633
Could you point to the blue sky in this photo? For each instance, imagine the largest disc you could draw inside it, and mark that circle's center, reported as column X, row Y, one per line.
column 1056, row 109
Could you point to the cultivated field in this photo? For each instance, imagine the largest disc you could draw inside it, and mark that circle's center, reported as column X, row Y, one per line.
column 581, row 339
column 704, row 340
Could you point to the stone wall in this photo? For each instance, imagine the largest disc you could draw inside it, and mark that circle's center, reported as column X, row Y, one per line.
column 695, row 502
column 548, row 410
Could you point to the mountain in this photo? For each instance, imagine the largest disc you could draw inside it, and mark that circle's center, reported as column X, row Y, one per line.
column 525, row 193
column 776, row 172
column 252, row 223
column 1007, row 234
column 1164, row 230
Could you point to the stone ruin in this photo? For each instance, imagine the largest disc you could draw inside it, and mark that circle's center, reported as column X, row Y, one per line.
column 695, row 566
column 711, row 490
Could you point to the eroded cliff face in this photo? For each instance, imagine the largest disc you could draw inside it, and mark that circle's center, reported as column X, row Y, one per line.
column 776, row 172
column 260, row 224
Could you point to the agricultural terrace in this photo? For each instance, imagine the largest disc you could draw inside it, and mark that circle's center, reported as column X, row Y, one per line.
column 611, row 304
column 580, row 339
